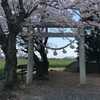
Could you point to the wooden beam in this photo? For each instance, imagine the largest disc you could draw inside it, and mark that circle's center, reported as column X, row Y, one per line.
column 54, row 35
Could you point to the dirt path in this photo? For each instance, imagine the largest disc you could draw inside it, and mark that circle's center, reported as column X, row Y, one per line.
column 62, row 86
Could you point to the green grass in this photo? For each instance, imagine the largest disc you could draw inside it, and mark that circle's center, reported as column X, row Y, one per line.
column 59, row 63
column 21, row 62
column 2, row 63
column 52, row 63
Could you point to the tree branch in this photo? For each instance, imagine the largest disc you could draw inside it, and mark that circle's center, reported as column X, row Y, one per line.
column 21, row 6
column 34, row 8
column 46, row 39
column 6, row 8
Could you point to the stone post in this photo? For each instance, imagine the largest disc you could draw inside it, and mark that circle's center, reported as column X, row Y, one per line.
column 82, row 63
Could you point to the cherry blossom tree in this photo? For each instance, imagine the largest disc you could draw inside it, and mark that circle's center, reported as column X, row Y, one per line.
column 14, row 14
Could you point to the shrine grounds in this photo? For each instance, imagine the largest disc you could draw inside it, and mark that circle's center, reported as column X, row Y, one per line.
column 63, row 85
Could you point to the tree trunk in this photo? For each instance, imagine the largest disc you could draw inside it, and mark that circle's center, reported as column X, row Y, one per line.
column 44, row 57
column 45, row 61
column 39, row 67
column 11, row 62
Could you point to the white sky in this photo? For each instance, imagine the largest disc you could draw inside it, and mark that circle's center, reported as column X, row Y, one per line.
column 60, row 42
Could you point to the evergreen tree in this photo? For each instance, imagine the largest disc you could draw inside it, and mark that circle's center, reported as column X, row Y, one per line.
column 93, row 41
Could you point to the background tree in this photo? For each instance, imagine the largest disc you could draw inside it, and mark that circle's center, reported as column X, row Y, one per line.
column 92, row 36
column 93, row 41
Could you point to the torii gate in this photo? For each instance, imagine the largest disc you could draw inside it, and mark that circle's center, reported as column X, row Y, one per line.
column 82, row 64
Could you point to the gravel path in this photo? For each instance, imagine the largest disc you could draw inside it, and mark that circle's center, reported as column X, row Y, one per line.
column 62, row 86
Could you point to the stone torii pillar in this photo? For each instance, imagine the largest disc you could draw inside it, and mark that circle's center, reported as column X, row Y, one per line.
column 82, row 63
column 29, row 78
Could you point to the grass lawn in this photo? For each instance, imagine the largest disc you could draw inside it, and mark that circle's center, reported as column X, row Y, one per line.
column 59, row 63
column 20, row 62
column 2, row 63
column 52, row 63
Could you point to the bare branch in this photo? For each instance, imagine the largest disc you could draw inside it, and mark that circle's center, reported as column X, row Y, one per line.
column 21, row 6
column 6, row 8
